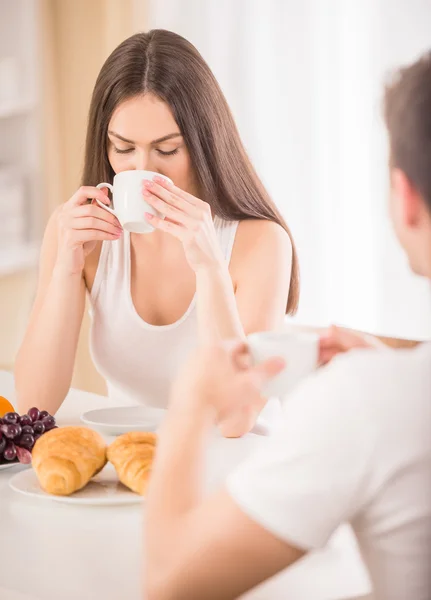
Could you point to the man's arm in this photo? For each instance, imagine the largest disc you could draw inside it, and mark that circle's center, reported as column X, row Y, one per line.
column 201, row 549
column 311, row 476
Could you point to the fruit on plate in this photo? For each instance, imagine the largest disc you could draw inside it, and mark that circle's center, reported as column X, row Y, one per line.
column 5, row 406
column 19, row 433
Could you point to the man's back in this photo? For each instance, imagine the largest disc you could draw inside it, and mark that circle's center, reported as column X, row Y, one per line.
column 394, row 528
column 355, row 446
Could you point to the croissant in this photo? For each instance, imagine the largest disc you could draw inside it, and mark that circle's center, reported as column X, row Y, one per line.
column 132, row 455
column 65, row 459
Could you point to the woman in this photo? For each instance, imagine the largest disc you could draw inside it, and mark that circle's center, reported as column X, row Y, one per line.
column 220, row 265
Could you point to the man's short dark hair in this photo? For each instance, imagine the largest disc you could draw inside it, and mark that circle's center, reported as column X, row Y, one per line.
column 407, row 109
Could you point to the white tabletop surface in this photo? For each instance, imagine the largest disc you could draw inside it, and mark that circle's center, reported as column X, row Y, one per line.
column 53, row 551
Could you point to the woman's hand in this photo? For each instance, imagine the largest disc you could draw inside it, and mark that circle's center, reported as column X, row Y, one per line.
column 81, row 226
column 337, row 340
column 187, row 218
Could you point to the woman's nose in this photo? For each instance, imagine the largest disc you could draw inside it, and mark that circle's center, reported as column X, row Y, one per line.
column 142, row 161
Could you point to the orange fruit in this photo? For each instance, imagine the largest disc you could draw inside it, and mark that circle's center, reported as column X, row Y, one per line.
column 5, row 406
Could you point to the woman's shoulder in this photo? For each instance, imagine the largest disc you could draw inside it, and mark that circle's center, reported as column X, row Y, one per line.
column 260, row 241
column 260, row 234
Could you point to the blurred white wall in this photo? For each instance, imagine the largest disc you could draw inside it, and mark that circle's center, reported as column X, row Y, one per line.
column 304, row 80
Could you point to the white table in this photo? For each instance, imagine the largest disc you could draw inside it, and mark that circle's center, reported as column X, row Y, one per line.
column 53, row 551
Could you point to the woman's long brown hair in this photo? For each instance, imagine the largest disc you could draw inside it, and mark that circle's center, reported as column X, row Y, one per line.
column 167, row 65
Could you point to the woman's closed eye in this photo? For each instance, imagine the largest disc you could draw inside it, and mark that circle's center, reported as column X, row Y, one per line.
column 161, row 152
column 123, row 150
column 167, row 153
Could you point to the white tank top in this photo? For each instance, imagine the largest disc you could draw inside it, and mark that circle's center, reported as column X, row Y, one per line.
column 139, row 361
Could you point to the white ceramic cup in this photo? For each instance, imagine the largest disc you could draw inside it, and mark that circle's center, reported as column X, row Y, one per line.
column 299, row 350
column 128, row 203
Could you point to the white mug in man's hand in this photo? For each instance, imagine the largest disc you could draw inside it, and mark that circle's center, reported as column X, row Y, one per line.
column 128, row 203
column 299, row 350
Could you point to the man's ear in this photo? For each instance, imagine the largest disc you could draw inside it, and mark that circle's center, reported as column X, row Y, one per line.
column 408, row 198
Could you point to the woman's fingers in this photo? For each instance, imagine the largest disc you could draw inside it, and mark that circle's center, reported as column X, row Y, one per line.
column 167, row 210
column 174, row 229
column 95, row 224
column 169, row 196
column 177, row 191
column 86, row 193
column 95, row 211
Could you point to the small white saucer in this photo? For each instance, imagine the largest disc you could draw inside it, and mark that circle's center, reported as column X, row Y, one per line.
column 122, row 419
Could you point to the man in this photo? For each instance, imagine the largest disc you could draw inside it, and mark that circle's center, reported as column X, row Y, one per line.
column 355, row 444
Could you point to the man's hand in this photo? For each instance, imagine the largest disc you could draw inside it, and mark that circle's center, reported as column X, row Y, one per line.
column 223, row 379
column 337, row 340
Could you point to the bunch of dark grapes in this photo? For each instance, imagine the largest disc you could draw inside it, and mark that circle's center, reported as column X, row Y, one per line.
column 18, row 434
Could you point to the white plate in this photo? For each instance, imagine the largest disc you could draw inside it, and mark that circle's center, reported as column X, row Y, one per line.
column 104, row 489
column 9, row 465
column 116, row 421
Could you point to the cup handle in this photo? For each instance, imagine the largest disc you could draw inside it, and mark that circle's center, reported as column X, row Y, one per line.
column 111, row 189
